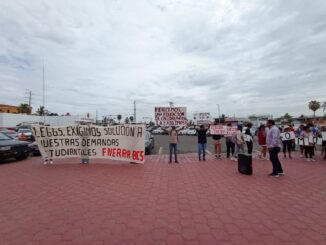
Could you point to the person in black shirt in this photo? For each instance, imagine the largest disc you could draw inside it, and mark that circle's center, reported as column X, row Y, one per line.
column 249, row 142
column 202, row 141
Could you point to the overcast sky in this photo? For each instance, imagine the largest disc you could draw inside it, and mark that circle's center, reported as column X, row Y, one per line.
column 250, row 57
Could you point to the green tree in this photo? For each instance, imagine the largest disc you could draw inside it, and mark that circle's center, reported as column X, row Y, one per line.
column 127, row 120
column 314, row 106
column 119, row 117
column 40, row 111
column 287, row 117
column 24, row 108
column 324, row 106
column 131, row 118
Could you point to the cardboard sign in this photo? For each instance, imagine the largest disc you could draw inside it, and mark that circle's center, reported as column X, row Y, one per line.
column 323, row 135
column 247, row 138
column 202, row 118
column 122, row 142
column 222, row 130
column 306, row 141
column 287, row 136
column 171, row 116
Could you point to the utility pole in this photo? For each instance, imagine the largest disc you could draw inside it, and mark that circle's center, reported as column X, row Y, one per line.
column 43, row 94
column 135, row 120
column 219, row 116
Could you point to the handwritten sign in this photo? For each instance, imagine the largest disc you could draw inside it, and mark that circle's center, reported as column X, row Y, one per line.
column 222, row 130
column 287, row 136
column 202, row 118
column 123, row 143
column 171, row 116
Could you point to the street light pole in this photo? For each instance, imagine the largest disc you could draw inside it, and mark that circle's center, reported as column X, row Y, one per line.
column 219, row 116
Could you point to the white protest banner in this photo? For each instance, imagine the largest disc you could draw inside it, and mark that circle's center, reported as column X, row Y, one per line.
column 222, row 130
column 302, row 141
column 323, row 134
column 171, row 116
column 247, row 137
column 202, row 118
column 122, row 142
column 306, row 141
column 287, row 136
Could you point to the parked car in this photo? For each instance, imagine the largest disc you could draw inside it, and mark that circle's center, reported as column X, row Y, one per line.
column 27, row 132
column 34, row 149
column 158, row 131
column 11, row 133
column 192, row 132
column 11, row 148
column 149, row 143
column 184, row 131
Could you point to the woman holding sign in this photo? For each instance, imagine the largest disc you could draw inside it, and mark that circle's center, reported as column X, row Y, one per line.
column 287, row 142
column 308, row 136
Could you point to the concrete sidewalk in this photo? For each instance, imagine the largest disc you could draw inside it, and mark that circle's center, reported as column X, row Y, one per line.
column 159, row 203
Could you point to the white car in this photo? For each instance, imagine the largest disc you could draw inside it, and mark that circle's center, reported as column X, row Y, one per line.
column 184, row 131
column 158, row 131
column 27, row 132
column 192, row 132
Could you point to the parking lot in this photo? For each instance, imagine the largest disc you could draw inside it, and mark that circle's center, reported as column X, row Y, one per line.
column 187, row 144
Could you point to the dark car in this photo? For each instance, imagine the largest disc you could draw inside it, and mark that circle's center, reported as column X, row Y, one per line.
column 149, row 143
column 10, row 148
column 34, row 149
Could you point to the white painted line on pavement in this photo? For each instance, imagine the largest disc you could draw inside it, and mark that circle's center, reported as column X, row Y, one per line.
column 208, row 152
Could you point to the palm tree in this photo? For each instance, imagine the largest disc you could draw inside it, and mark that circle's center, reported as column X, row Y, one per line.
column 119, row 117
column 287, row 117
column 24, row 108
column 40, row 111
column 314, row 106
column 127, row 120
column 131, row 118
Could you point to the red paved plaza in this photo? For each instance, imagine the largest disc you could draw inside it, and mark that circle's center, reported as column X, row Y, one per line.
column 159, row 203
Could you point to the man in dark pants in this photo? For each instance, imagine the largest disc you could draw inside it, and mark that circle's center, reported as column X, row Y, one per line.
column 202, row 141
column 273, row 141
column 229, row 144
column 249, row 141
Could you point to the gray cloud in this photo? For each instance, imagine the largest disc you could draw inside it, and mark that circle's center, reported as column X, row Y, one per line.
column 247, row 56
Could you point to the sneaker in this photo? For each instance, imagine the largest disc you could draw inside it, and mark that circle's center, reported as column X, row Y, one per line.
column 215, row 156
column 51, row 162
column 176, row 162
column 45, row 162
column 301, row 156
column 284, row 156
column 308, row 160
column 219, row 157
column 274, row 175
column 199, row 159
column 281, row 174
column 312, row 160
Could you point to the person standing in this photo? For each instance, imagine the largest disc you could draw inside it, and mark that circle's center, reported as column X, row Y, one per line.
column 239, row 142
column 287, row 144
column 217, row 144
column 262, row 141
column 307, row 136
column 173, row 145
column 229, row 144
column 249, row 138
column 202, row 141
column 298, row 134
column 273, row 142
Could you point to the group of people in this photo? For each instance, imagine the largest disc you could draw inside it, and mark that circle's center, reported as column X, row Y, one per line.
column 269, row 139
